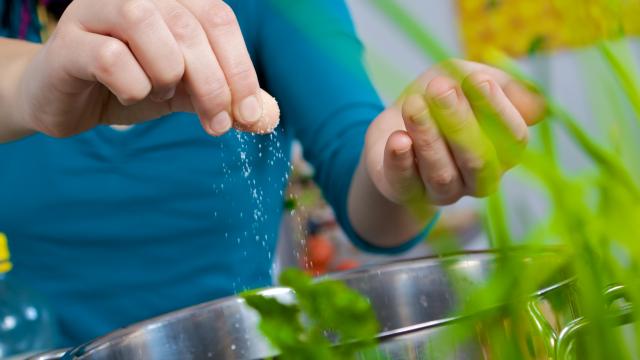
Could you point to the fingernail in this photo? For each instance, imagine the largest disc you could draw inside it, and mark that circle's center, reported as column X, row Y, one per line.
column 416, row 108
column 221, row 123
column 164, row 95
column 484, row 88
column 250, row 109
column 402, row 152
column 448, row 100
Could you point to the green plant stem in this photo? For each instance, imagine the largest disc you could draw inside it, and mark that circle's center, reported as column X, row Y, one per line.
column 625, row 74
column 608, row 161
column 498, row 222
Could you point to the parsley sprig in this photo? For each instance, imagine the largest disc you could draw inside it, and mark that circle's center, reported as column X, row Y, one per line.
column 324, row 309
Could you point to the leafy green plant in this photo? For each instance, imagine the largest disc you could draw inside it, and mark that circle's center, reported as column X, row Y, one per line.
column 593, row 215
column 324, row 309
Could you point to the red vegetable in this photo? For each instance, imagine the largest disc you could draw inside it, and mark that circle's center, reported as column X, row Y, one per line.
column 320, row 251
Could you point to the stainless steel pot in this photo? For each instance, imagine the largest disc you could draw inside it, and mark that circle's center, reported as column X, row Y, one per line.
column 414, row 301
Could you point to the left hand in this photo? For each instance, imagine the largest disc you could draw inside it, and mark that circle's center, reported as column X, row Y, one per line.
column 451, row 135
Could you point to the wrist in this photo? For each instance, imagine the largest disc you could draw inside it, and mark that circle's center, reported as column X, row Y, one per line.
column 14, row 71
column 379, row 220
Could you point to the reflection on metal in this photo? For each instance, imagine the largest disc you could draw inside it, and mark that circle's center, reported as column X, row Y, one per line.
column 544, row 330
column 566, row 338
column 50, row 355
column 621, row 315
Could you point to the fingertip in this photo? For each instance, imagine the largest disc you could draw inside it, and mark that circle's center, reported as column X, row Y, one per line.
column 205, row 126
column 400, row 169
column 219, row 124
column 163, row 94
column 443, row 94
column 530, row 104
column 271, row 114
column 414, row 108
column 131, row 94
column 399, row 150
column 399, row 142
column 249, row 110
column 479, row 87
column 439, row 86
column 269, row 119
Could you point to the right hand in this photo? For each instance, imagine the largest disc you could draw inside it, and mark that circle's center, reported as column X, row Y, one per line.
column 127, row 61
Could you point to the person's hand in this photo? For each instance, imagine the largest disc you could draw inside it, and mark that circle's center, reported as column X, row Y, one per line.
column 453, row 134
column 126, row 61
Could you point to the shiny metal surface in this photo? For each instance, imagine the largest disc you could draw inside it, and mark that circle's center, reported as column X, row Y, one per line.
column 50, row 355
column 222, row 329
column 422, row 292
column 413, row 301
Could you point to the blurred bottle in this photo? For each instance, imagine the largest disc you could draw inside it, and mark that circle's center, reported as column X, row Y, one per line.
column 26, row 323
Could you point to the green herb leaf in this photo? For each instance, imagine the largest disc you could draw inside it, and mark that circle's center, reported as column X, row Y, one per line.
column 324, row 309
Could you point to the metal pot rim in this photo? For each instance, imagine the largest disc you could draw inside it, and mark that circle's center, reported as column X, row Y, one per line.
column 174, row 316
column 408, row 262
column 420, row 261
column 161, row 320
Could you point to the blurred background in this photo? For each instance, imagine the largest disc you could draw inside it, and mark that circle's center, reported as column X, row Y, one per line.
column 553, row 41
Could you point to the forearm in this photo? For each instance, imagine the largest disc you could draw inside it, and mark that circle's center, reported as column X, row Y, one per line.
column 15, row 55
column 378, row 220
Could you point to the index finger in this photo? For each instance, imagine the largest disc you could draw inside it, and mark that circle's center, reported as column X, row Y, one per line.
column 226, row 40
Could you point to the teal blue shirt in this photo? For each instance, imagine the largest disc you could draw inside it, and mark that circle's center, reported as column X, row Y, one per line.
column 115, row 227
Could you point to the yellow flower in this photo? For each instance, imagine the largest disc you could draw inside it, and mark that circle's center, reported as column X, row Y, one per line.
column 520, row 26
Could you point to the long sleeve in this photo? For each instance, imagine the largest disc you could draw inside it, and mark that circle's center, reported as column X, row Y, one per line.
column 18, row 19
column 311, row 61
